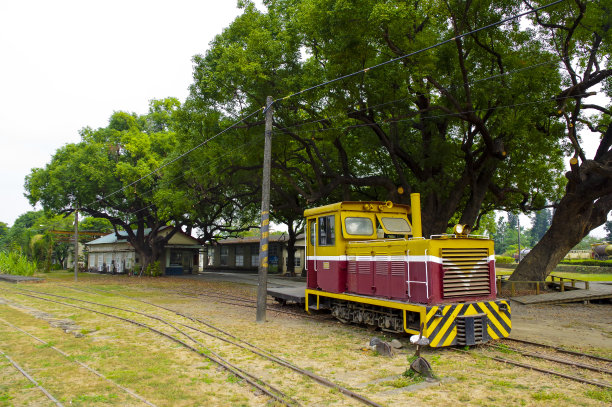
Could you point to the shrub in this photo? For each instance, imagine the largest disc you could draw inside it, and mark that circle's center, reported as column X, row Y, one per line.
column 592, row 262
column 153, row 269
column 504, row 260
column 16, row 263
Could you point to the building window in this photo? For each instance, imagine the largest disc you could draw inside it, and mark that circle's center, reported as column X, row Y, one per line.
column 211, row 256
column 176, row 258
column 224, row 255
column 296, row 261
column 239, row 256
column 273, row 254
column 327, row 230
column 255, row 259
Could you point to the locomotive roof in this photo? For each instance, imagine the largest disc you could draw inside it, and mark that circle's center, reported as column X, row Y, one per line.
column 358, row 206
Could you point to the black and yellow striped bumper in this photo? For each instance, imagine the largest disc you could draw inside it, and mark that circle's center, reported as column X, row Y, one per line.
column 448, row 325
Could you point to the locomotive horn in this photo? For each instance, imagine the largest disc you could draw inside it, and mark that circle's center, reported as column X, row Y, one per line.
column 389, row 204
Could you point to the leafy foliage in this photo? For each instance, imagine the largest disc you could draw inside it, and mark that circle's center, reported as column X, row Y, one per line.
column 452, row 124
column 16, row 263
column 110, row 175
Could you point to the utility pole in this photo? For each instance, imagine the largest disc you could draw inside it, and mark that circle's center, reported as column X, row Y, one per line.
column 518, row 226
column 76, row 243
column 262, row 284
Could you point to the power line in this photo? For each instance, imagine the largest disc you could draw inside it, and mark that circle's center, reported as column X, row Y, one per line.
column 177, row 158
column 182, row 175
column 505, row 74
column 457, row 114
column 365, row 70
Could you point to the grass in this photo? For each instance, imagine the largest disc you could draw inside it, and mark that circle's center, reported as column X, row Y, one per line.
column 166, row 374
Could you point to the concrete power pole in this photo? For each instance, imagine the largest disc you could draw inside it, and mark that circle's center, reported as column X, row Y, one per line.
column 262, row 285
column 76, row 243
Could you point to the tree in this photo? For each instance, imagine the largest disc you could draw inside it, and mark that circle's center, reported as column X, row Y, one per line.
column 110, row 175
column 541, row 223
column 19, row 235
column 499, row 238
column 580, row 34
column 464, row 124
column 4, row 229
column 608, row 227
column 95, row 225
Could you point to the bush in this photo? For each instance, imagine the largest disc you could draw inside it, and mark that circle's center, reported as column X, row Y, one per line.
column 153, row 269
column 16, row 263
column 592, row 262
column 504, row 260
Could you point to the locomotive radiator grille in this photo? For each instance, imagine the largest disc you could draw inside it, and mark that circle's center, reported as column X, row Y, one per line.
column 466, row 272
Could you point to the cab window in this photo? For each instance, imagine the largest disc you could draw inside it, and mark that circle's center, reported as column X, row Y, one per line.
column 395, row 225
column 358, row 226
column 327, row 232
column 311, row 229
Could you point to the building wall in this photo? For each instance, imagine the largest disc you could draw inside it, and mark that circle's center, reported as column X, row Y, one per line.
column 124, row 258
column 227, row 257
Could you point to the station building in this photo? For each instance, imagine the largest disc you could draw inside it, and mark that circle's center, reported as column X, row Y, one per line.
column 242, row 253
column 111, row 253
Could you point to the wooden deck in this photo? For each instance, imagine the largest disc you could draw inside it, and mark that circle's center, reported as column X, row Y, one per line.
column 596, row 291
column 289, row 294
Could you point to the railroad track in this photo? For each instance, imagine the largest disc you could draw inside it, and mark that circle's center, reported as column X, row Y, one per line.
column 602, row 372
column 233, row 300
column 31, row 379
column 81, row 364
column 560, row 350
column 256, row 382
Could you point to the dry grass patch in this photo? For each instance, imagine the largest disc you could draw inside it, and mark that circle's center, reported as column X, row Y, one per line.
column 171, row 375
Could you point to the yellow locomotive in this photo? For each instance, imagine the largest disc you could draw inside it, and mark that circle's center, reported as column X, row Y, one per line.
column 368, row 263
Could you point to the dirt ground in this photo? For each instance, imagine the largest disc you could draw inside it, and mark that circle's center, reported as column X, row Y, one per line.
column 175, row 377
column 569, row 325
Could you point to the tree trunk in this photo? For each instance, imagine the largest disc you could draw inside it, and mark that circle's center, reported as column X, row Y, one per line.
column 585, row 206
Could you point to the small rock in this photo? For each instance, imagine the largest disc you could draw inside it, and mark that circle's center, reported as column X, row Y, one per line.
column 396, row 344
column 383, row 348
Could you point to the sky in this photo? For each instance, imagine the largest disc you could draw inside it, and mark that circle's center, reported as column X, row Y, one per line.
column 68, row 64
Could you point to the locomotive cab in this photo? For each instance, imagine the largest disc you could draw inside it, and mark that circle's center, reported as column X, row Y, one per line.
column 369, row 263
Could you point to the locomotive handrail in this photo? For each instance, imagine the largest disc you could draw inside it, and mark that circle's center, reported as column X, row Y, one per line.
column 426, row 282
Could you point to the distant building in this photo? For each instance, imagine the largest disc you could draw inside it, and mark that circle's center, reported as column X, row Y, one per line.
column 109, row 253
column 242, row 253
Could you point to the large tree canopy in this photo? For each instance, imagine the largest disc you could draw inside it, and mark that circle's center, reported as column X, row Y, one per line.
column 102, row 176
column 465, row 124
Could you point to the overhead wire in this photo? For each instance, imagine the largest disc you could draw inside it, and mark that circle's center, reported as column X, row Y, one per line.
column 325, row 83
column 345, row 115
column 420, row 51
column 359, row 125
column 183, row 174
column 179, row 157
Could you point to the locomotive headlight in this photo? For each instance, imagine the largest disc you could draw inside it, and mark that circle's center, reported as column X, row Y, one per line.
column 458, row 229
